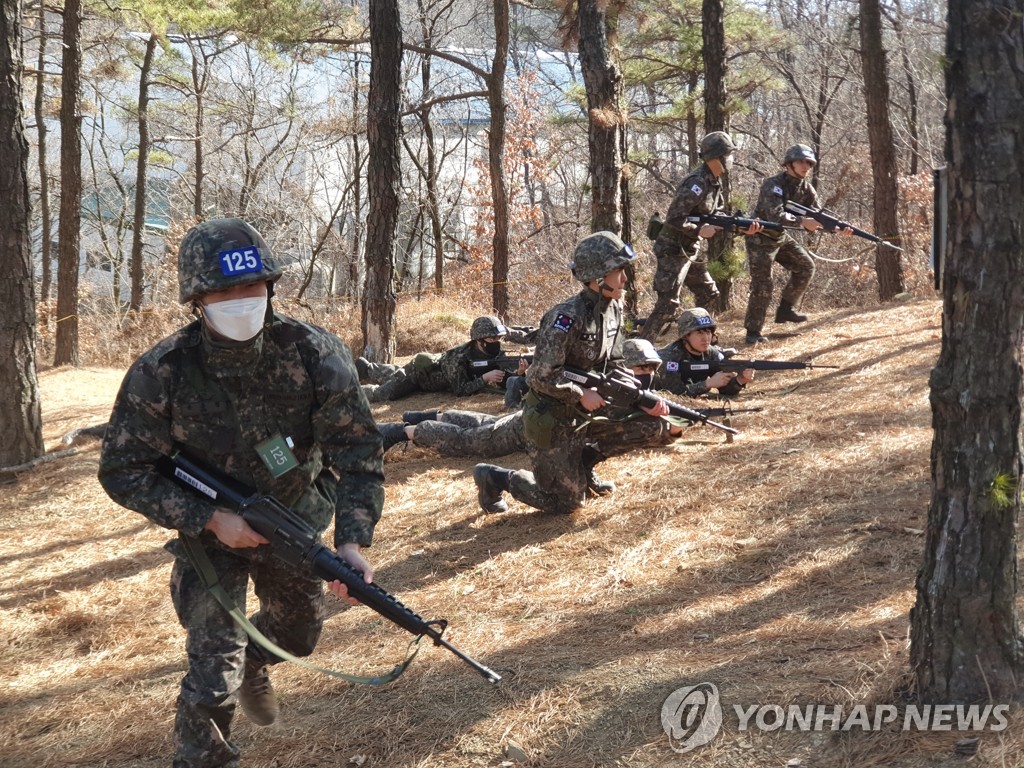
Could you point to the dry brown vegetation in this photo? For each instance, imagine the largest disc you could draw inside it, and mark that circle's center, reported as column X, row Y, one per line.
column 779, row 567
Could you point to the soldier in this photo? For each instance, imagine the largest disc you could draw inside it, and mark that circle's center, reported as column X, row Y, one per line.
column 228, row 388
column 583, row 332
column 462, row 370
column 779, row 247
column 696, row 344
column 678, row 246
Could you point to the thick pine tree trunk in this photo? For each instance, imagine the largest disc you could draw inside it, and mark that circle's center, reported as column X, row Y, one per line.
column 716, row 116
column 965, row 641
column 20, row 419
column 383, row 128
column 496, row 159
column 884, row 171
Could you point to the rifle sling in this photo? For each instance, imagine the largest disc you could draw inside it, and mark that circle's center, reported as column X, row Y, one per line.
column 208, row 575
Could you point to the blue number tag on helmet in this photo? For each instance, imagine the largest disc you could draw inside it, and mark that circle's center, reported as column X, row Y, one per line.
column 239, row 261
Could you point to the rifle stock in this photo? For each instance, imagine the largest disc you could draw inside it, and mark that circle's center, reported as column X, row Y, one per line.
column 295, row 542
column 618, row 385
column 833, row 223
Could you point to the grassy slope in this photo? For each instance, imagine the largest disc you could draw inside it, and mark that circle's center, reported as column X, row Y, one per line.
column 779, row 567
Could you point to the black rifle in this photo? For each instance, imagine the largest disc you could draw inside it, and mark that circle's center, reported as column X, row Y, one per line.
column 833, row 223
column 621, row 387
column 700, row 369
column 506, row 363
column 730, row 223
column 727, row 411
column 295, row 542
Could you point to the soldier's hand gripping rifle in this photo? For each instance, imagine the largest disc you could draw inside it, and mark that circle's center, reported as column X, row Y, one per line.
column 621, row 387
column 696, row 370
column 832, row 223
column 295, row 542
column 732, row 223
column 507, row 363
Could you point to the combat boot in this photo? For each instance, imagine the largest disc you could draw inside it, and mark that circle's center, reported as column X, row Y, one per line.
column 491, row 482
column 393, row 434
column 591, row 458
column 257, row 695
column 755, row 337
column 363, row 368
column 415, row 417
column 786, row 314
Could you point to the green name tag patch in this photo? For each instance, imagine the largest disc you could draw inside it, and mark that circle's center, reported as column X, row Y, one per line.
column 276, row 454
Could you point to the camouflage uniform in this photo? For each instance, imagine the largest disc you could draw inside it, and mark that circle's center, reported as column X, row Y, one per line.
column 467, row 433
column 451, row 371
column 670, row 379
column 767, row 247
column 678, row 249
column 219, row 400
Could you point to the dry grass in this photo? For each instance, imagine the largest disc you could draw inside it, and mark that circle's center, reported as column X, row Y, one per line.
column 780, row 567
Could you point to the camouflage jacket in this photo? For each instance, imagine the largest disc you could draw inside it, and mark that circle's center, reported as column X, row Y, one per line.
column 672, row 377
column 700, row 192
column 583, row 332
column 218, row 402
column 462, row 378
column 775, row 191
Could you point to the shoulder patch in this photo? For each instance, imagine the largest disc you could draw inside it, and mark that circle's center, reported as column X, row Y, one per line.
column 672, row 366
column 778, row 191
column 563, row 322
column 697, row 189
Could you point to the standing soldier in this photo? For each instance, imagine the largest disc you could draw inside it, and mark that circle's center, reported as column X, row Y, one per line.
column 239, row 389
column 779, row 247
column 678, row 243
column 583, row 332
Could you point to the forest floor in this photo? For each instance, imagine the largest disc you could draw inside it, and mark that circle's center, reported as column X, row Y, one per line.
column 779, row 568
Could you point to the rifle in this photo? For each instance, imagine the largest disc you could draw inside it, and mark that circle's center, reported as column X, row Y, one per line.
column 727, row 411
column 699, row 369
column 295, row 542
column 833, row 223
column 619, row 386
column 506, row 363
column 730, row 223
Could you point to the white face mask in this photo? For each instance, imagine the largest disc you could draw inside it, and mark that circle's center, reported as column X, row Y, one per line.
column 237, row 319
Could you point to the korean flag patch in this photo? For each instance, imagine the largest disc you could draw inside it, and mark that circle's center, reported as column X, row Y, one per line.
column 696, row 189
column 778, row 191
column 563, row 322
column 672, row 366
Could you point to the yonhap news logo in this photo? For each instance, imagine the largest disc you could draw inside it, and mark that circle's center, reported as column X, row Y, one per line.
column 692, row 716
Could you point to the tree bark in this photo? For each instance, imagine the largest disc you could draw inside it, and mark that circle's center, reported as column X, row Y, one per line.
column 383, row 128
column 603, row 80
column 496, row 159
column 716, row 117
column 20, row 415
column 69, row 230
column 965, row 638
column 45, row 224
column 888, row 263
column 141, row 172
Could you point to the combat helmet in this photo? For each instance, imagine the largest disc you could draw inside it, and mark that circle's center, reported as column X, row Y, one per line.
column 694, row 320
column 799, row 152
column 639, row 352
column 485, row 327
column 222, row 253
column 716, row 144
column 598, row 254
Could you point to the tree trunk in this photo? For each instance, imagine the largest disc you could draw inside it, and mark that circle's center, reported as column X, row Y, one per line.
column 383, row 129
column 604, row 85
column 496, row 159
column 69, row 234
column 716, row 117
column 433, row 201
column 888, row 264
column 965, row 638
column 139, row 219
column 199, row 86
column 45, row 225
column 20, row 417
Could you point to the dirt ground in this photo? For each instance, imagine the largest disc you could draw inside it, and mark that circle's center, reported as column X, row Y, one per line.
column 779, row 568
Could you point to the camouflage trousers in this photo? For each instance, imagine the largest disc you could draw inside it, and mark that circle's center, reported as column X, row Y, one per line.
column 467, row 433
column 675, row 269
column 762, row 252
column 394, row 383
column 291, row 614
column 558, row 482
